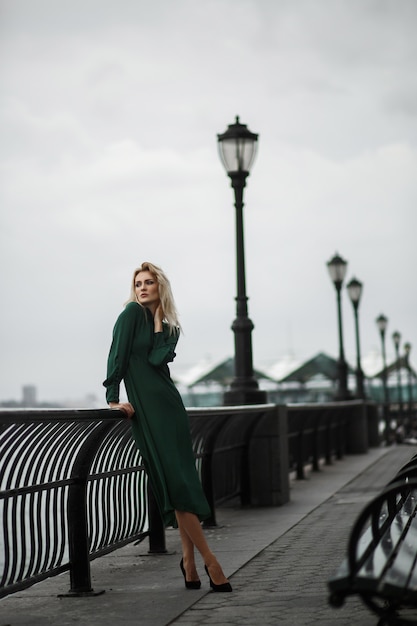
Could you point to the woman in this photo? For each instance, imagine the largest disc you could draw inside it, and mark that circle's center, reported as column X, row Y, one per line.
column 144, row 340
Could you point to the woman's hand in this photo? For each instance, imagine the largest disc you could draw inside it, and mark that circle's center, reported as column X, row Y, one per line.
column 126, row 407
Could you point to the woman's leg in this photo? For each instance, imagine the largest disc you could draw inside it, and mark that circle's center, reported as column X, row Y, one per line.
column 187, row 553
column 189, row 524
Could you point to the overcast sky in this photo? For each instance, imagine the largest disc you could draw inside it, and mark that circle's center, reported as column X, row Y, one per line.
column 110, row 111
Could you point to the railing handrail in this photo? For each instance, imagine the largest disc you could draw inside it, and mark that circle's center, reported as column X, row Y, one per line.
column 60, row 415
column 195, row 410
column 334, row 404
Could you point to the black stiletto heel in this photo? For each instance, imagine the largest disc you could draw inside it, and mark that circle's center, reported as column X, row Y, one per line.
column 190, row 584
column 225, row 587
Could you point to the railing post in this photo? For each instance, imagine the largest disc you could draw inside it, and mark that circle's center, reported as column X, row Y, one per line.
column 341, row 433
column 374, row 437
column 357, row 428
column 78, row 539
column 207, row 484
column 316, row 441
column 156, row 526
column 80, row 576
column 329, row 445
column 268, row 459
column 300, row 455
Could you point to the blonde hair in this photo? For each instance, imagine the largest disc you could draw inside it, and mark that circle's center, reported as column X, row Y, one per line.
column 165, row 294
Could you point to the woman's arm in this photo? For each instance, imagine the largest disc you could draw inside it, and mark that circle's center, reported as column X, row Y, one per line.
column 163, row 350
column 119, row 355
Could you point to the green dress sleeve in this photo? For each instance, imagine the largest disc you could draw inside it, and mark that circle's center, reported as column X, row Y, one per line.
column 163, row 349
column 118, row 360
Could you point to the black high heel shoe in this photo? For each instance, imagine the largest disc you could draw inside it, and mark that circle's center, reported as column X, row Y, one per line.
column 225, row 587
column 190, row 584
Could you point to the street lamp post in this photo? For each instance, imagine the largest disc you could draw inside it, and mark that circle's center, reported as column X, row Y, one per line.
column 396, row 337
column 337, row 270
column 407, row 350
column 382, row 323
column 237, row 149
column 355, row 291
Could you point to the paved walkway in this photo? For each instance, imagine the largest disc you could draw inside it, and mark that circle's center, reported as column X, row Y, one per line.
column 278, row 560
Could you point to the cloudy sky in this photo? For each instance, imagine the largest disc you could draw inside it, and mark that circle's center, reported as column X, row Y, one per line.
column 108, row 157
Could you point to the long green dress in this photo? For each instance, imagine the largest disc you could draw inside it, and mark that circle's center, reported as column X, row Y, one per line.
column 160, row 425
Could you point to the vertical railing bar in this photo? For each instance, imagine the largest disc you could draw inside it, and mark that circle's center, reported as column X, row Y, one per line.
column 106, row 499
column 135, row 517
column 300, row 455
column 55, row 542
column 93, row 518
column 47, row 532
column 37, row 530
column 14, row 538
column 118, row 517
column 26, row 502
column 6, row 543
column 315, row 440
column 133, row 510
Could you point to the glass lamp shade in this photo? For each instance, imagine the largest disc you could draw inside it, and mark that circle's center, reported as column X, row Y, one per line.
column 382, row 323
column 237, row 148
column 396, row 337
column 354, row 290
column 407, row 348
column 337, row 269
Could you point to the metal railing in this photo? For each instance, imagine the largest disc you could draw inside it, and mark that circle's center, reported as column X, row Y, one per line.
column 73, row 487
column 221, row 438
column 315, row 432
column 324, row 432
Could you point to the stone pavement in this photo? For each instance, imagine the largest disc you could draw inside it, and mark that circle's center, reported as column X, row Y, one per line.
column 278, row 561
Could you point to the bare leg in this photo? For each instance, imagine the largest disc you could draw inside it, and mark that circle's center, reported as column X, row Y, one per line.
column 189, row 524
column 187, row 553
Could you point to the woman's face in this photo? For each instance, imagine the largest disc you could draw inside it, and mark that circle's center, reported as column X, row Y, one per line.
column 146, row 289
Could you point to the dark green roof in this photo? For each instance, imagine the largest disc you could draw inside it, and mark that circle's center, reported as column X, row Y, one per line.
column 320, row 364
column 224, row 373
column 402, row 362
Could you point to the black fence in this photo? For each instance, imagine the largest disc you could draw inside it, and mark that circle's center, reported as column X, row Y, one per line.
column 242, row 453
column 324, row 432
column 72, row 484
column 72, row 487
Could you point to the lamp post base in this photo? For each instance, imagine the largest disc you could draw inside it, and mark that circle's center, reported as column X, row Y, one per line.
column 243, row 396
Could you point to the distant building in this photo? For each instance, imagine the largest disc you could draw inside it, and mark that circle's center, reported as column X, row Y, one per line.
column 29, row 396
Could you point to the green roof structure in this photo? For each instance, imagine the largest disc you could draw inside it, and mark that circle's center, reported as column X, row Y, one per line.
column 224, row 373
column 321, row 364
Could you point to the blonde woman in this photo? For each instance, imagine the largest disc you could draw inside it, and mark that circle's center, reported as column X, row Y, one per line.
column 144, row 339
